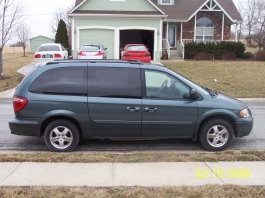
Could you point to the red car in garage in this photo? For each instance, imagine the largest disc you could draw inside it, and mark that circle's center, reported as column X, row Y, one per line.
column 136, row 52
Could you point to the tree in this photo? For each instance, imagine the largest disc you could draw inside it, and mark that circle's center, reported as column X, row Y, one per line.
column 23, row 34
column 11, row 12
column 61, row 13
column 61, row 34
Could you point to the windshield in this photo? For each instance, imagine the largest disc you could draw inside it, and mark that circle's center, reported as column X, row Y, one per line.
column 49, row 48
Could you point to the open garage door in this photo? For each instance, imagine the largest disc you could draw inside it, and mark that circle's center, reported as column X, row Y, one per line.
column 132, row 36
column 102, row 36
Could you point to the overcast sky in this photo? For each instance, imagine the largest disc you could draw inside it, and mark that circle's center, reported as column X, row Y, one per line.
column 39, row 13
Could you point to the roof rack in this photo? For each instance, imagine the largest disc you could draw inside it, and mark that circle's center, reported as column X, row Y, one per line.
column 94, row 60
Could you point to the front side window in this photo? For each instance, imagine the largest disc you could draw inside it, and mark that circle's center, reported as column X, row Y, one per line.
column 204, row 29
column 114, row 82
column 161, row 85
column 62, row 81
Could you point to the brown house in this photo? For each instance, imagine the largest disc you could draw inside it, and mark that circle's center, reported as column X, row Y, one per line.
column 169, row 23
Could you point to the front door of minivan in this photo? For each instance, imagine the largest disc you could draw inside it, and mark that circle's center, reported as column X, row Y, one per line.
column 166, row 112
column 114, row 101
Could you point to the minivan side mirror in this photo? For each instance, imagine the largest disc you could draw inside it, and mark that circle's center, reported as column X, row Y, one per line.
column 193, row 94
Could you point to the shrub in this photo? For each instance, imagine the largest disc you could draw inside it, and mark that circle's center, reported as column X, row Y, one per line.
column 203, row 56
column 247, row 55
column 229, row 56
column 217, row 49
column 260, row 55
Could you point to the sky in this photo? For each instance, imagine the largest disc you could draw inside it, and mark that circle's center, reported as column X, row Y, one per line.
column 39, row 14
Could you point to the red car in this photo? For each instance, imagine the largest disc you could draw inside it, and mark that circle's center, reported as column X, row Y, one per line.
column 136, row 52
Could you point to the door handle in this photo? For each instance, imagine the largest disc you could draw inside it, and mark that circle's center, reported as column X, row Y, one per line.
column 150, row 109
column 133, row 109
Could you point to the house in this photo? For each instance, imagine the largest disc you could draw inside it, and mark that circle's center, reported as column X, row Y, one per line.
column 160, row 24
column 35, row 42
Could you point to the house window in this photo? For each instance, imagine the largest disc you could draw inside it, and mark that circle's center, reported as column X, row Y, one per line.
column 204, row 29
column 166, row 2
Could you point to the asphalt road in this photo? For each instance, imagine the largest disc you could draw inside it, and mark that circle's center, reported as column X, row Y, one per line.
column 9, row 142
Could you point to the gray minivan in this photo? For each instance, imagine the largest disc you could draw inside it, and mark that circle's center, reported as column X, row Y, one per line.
column 64, row 101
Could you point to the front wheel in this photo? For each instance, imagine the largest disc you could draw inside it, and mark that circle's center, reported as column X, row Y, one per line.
column 61, row 136
column 216, row 135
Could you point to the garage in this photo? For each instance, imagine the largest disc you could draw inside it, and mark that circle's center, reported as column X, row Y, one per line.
column 102, row 36
column 134, row 36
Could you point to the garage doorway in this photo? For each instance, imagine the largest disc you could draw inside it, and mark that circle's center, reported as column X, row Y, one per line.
column 145, row 37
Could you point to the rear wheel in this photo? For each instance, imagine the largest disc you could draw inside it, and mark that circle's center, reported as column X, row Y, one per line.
column 216, row 135
column 61, row 136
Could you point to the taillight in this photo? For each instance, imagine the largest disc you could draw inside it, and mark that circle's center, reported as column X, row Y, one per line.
column 80, row 54
column 19, row 103
column 147, row 54
column 57, row 56
column 99, row 54
column 37, row 56
column 126, row 54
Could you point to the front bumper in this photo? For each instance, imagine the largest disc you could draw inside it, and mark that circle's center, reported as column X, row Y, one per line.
column 244, row 127
column 26, row 127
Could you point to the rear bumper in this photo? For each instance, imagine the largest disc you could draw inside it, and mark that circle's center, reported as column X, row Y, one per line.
column 141, row 59
column 244, row 128
column 26, row 127
column 90, row 57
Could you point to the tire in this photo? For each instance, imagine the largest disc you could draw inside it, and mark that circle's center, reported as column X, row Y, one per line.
column 56, row 140
column 216, row 135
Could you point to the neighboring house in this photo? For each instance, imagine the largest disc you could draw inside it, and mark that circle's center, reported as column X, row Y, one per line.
column 35, row 42
column 157, row 23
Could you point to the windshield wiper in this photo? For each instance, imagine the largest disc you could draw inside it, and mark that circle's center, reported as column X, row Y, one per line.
column 211, row 92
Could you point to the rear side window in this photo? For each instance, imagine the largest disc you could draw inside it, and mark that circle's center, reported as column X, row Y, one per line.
column 64, row 80
column 49, row 48
column 114, row 82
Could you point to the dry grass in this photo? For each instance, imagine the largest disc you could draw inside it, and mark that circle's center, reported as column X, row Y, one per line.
column 240, row 79
column 213, row 191
column 134, row 157
column 10, row 69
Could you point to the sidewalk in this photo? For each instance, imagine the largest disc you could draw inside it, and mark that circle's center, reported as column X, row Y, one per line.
column 132, row 174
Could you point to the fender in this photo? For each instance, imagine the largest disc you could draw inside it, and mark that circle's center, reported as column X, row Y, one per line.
column 210, row 113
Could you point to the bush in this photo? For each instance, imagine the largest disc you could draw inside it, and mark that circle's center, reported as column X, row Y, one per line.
column 247, row 55
column 229, row 56
column 203, row 56
column 260, row 55
column 217, row 49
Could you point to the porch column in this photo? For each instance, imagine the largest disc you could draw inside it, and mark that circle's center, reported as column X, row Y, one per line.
column 181, row 32
column 167, row 32
column 195, row 17
column 223, row 26
column 236, row 32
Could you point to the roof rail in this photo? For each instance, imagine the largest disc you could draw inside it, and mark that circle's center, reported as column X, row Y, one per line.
column 94, row 60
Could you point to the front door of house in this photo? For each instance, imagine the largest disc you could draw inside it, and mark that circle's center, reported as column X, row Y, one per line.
column 172, row 35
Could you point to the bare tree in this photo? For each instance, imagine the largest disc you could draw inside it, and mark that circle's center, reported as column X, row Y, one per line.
column 259, row 27
column 23, row 34
column 249, row 13
column 11, row 12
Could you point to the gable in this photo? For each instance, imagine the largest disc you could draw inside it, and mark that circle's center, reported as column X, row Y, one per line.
column 183, row 10
column 114, row 5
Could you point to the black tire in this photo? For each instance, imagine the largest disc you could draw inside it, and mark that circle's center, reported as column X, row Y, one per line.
column 61, row 142
column 216, row 135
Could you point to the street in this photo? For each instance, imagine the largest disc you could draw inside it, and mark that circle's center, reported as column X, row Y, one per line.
column 9, row 142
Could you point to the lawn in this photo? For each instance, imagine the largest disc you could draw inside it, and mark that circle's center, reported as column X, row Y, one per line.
column 213, row 191
column 13, row 62
column 240, row 79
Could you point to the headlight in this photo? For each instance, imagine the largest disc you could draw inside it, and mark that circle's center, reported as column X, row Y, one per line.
column 244, row 113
